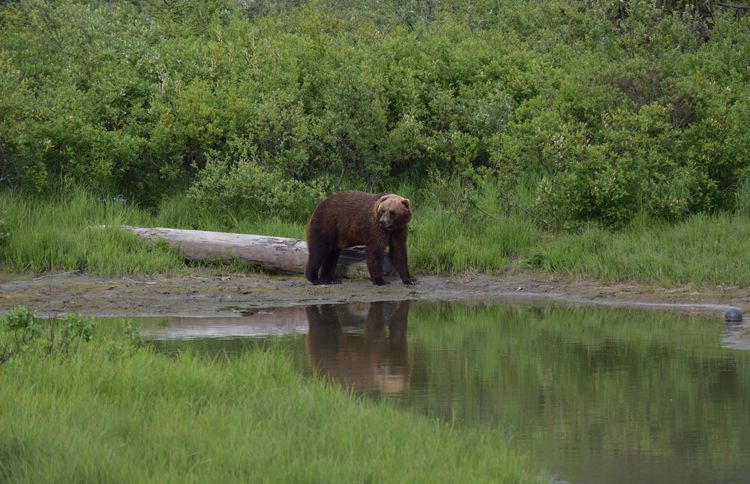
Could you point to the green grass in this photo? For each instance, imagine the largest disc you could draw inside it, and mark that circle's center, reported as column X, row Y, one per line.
column 146, row 417
column 447, row 242
column 65, row 233
column 178, row 212
column 62, row 233
column 705, row 249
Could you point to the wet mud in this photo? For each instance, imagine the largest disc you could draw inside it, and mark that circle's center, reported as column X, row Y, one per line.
column 203, row 294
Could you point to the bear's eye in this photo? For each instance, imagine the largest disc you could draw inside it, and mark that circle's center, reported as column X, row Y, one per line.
column 391, row 212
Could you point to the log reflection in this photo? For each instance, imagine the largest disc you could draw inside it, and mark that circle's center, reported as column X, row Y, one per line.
column 366, row 360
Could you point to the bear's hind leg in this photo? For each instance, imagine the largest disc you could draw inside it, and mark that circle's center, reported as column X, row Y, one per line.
column 314, row 260
column 328, row 268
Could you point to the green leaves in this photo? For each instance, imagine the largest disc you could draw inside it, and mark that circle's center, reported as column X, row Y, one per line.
column 240, row 182
column 19, row 319
column 632, row 126
column 615, row 107
column 23, row 334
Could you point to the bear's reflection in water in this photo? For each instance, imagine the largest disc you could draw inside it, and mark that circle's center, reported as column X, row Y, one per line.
column 368, row 360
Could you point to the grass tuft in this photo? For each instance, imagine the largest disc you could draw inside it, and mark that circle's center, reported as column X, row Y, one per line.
column 66, row 233
column 705, row 249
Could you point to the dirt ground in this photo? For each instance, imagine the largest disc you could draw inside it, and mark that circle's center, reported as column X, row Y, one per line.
column 203, row 294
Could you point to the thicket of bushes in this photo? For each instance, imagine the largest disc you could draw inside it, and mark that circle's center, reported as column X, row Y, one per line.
column 606, row 109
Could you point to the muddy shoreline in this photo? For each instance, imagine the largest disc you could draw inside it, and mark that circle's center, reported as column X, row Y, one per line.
column 203, row 294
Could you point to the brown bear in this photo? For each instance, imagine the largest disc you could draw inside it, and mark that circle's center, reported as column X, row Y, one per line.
column 351, row 218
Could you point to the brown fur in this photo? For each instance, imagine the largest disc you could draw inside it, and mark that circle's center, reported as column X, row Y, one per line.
column 352, row 218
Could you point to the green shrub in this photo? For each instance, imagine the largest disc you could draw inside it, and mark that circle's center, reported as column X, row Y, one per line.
column 634, row 125
column 240, row 183
column 21, row 332
column 615, row 108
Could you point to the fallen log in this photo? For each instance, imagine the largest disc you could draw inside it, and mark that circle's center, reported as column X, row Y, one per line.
column 275, row 254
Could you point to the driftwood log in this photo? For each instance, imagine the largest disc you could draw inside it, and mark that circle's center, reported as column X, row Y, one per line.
column 275, row 254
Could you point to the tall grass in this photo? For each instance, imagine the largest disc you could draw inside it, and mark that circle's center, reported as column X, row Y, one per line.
column 455, row 229
column 66, row 233
column 447, row 236
column 77, row 231
column 705, row 249
column 147, row 417
column 179, row 212
column 448, row 242
column 742, row 198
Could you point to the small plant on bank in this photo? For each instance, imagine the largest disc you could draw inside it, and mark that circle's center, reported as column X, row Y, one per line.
column 18, row 330
column 133, row 335
column 22, row 332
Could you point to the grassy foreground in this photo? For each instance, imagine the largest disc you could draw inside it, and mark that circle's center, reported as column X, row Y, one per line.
column 62, row 234
column 104, row 414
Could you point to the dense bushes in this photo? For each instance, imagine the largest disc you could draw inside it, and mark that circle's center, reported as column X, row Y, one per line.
column 269, row 105
column 654, row 121
column 237, row 182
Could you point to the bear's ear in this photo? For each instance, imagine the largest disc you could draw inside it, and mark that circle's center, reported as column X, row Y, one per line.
column 376, row 206
column 405, row 201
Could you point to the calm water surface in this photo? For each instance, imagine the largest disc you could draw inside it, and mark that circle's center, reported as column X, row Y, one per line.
column 592, row 395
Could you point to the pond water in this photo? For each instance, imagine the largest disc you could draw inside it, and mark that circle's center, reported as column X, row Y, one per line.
column 593, row 395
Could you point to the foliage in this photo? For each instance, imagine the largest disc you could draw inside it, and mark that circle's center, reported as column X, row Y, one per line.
column 24, row 336
column 21, row 332
column 639, row 128
column 616, row 108
column 239, row 182
column 501, row 120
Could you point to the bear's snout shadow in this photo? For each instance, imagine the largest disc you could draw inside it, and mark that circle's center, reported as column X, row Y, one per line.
column 356, row 351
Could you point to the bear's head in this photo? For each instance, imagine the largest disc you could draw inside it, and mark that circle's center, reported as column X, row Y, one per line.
column 392, row 212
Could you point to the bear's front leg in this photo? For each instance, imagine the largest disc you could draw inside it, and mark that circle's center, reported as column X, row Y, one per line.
column 374, row 258
column 397, row 253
